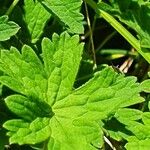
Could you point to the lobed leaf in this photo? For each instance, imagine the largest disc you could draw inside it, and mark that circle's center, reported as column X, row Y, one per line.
column 48, row 106
column 92, row 102
column 63, row 66
column 137, row 123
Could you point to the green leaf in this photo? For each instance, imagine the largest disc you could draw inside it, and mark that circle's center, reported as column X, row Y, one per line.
column 118, row 127
column 63, row 66
column 130, row 118
column 116, row 130
column 28, row 133
column 30, row 80
column 138, row 145
column 36, row 18
column 7, row 28
column 68, row 12
column 128, row 114
column 49, row 108
column 137, row 123
column 145, row 85
column 32, row 107
column 146, row 118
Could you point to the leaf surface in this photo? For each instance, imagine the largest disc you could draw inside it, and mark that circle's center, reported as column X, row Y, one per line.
column 7, row 28
column 68, row 11
column 63, row 66
column 22, row 132
column 36, row 17
column 145, row 85
column 138, row 145
column 137, row 123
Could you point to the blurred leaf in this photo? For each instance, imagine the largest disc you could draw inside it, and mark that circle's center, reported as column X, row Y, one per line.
column 145, row 85
column 138, row 145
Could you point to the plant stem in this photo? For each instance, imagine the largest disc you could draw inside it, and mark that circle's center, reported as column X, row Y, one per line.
column 91, row 36
column 12, row 7
column 105, row 41
column 121, row 29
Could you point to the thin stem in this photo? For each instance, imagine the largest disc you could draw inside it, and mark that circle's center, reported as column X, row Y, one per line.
column 15, row 2
column 91, row 36
column 105, row 41
column 88, row 32
column 19, row 40
column 118, row 51
column 84, row 77
column 93, row 24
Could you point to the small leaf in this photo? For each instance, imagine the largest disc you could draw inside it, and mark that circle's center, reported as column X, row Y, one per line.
column 136, row 15
column 12, row 83
column 145, row 85
column 7, row 28
column 116, row 130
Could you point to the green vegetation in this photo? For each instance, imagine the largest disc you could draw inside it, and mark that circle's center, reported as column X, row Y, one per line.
column 74, row 75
